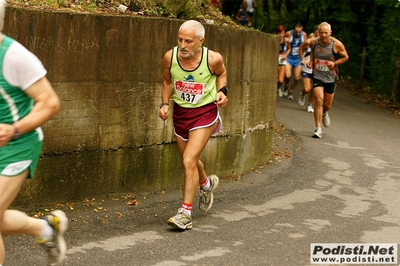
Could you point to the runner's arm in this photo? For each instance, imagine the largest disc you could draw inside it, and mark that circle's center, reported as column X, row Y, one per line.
column 311, row 62
column 303, row 47
column 216, row 64
column 166, row 92
column 341, row 50
column 289, row 48
column 46, row 106
column 305, row 35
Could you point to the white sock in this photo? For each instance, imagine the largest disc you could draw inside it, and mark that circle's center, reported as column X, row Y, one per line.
column 187, row 208
column 207, row 186
column 47, row 232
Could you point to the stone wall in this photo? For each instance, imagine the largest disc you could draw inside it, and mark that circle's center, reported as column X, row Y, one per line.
column 107, row 70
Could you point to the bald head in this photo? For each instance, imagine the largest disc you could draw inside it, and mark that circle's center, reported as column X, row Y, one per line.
column 192, row 25
column 325, row 24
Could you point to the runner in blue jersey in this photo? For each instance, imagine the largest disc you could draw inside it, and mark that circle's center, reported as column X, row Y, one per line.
column 242, row 15
column 296, row 37
column 27, row 101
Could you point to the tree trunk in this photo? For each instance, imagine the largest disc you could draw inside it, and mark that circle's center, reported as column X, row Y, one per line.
column 396, row 80
column 258, row 11
column 362, row 71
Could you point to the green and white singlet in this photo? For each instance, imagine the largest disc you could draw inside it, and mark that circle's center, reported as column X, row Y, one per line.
column 193, row 88
column 19, row 70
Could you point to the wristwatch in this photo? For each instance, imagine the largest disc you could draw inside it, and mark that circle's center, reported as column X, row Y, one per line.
column 161, row 105
column 224, row 90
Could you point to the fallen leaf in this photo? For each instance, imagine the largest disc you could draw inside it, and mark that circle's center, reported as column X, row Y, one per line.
column 132, row 202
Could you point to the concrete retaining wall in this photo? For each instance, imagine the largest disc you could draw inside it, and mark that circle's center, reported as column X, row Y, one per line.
column 107, row 70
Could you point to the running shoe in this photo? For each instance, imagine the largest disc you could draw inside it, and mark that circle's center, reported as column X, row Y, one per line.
column 317, row 133
column 280, row 93
column 326, row 120
column 181, row 220
column 55, row 246
column 290, row 96
column 302, row 99
column 286, row 91
column 207, row 197
column 310, row 109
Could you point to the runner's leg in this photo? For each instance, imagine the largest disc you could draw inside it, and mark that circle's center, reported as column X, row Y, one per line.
column 191, row 151
column 296, row 78
column 328, row 100
column 319, row 98
column 12, row 221
column 288, row 74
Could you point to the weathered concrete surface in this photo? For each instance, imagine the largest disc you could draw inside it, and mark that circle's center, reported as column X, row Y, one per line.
column 107, row 71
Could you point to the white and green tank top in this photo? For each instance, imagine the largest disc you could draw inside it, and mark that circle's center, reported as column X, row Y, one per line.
column 19, row 69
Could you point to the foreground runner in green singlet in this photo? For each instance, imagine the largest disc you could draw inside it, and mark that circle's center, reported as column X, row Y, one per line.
column 27, row 101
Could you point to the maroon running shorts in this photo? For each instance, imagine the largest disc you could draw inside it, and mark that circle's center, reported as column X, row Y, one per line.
column 188, row 119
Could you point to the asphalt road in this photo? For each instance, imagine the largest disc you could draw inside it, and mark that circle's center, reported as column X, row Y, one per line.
column 343, row 188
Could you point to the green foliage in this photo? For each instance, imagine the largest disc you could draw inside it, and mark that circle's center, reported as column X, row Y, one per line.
column 384, row 46
column 62, row 3
column 90, row 7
